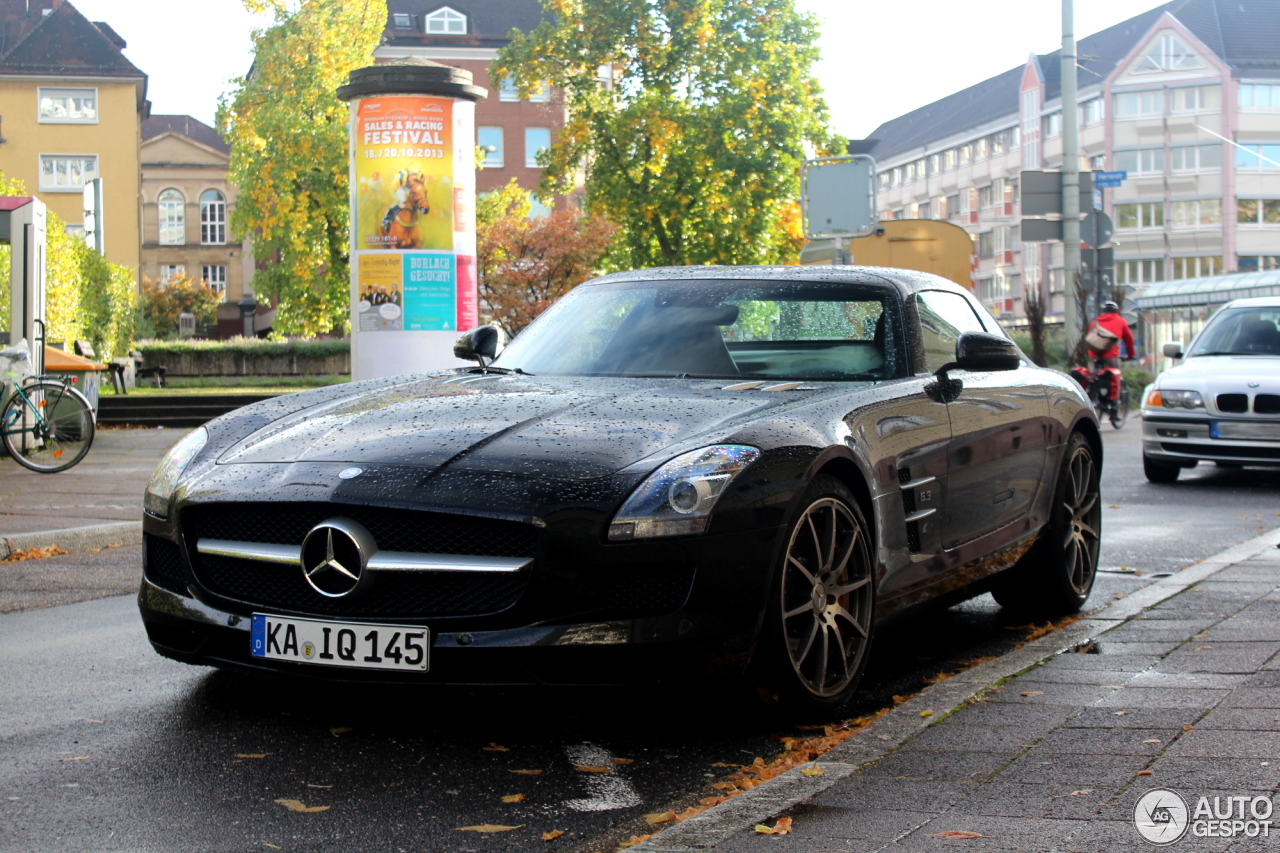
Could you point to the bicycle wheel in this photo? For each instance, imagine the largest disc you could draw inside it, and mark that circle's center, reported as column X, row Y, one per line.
column 50, row 430
column 1120, row 410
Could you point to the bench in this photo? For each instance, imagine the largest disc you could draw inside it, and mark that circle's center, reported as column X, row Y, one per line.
column 85, row 350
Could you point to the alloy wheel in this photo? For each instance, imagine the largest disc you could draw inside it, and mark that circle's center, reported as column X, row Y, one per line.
column 827, row 597
column 1082, row 506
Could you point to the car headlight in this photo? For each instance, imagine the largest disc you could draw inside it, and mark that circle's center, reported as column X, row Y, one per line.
column 165, row 479
column 1175, row 399
column 677, row 499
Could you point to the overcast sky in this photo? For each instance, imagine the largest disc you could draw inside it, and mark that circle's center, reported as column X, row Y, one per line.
column 880, row 59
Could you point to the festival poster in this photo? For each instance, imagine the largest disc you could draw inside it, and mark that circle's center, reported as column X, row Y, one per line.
column 430, row 291
column 404, row 155
column 380, row 292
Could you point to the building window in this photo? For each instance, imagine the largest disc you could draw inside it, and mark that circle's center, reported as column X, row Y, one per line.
column 909, row 173
column 1169, row 54
column 1134, row 104
column 1145, row 215
column 966, row 154
column 996, row 141
column 986, row 244
column 953, row 205
column 213, row 218
column 985, row 197
column 536, row 140
column 445, row 21
column 1193, row 214
column 1196, row 267
column 1257, row 263
column 173, row 218
column 1255, row 156
column 67, row 173
column 1260, row 96
column 1196, row 158
column 883, row 179
column 949, row 158
column 1091, row 112
column 507, row 92
column 980, row 149
column 1145, row 161
column 1253, row 211
column 1140, row 272
column 68, row 106
column 1015, row 138
column 215, row 275
column 490, row 141
column 168, row 272
column 1053, row 125
column 402, row 21
column 1097, row 161
column 1195, row 99
column 935, row 164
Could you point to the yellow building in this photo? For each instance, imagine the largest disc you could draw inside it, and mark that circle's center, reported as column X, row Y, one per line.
column 72, row 107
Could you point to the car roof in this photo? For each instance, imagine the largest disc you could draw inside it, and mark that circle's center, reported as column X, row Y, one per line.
column 1255, row 302
column 904, row 281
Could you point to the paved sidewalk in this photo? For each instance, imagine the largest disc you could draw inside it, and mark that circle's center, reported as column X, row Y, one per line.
column 95, row 504
column 1176, row 687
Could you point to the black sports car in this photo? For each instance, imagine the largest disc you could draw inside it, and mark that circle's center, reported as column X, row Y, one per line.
column 746, row 467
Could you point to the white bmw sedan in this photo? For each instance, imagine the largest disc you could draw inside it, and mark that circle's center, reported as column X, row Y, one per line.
column 1222, row 403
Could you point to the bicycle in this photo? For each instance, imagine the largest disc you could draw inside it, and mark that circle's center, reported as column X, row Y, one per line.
column 1096, row 383
column 47, row 426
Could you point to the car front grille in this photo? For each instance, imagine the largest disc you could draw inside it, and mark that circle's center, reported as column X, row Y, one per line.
column 162, row 564
column 1266, row 404
column 406, row 594
column 1233, row 403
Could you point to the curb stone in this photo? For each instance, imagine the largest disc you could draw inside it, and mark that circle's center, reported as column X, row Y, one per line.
column 760, row 804
column 74, row 538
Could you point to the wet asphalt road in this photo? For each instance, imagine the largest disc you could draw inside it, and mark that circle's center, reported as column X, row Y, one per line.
column 105, row 746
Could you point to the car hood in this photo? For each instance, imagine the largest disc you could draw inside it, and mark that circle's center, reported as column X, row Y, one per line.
column 1224, row 374
column 566, row 427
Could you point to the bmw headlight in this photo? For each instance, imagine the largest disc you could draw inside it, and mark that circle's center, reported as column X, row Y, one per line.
column 165, row 479
column 677, row 499
column 1175, row 399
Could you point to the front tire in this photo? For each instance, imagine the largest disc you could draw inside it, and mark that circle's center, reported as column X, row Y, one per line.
column 1160, row 472
column 1057, row 574
column 818, row 627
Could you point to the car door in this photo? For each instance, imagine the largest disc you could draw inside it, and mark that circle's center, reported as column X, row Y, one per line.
column 996, row 457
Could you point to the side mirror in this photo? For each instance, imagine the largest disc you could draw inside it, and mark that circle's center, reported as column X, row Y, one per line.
column 482, row 344
column 981, row 351
column 1173, row 349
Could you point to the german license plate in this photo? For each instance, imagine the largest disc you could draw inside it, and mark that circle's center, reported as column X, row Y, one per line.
column 1246, row 431
column 346, row 644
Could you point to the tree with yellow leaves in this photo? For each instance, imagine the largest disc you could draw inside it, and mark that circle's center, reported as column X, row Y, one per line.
column 288, row 136
column 689, row 117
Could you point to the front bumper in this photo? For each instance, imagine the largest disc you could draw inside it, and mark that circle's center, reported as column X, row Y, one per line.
column 1186, row 439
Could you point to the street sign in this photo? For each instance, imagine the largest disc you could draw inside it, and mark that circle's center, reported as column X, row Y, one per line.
column 838, row 196
column 1110, row 179
column 1042, row 192
column 1041, row 230
column 1096, row 229
column 1098, row 258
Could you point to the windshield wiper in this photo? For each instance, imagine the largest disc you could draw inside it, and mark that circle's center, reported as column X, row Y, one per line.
column 503, row 370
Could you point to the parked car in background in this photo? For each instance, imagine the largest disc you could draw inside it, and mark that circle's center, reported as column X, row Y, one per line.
column 742, row 468
column 1222, row 403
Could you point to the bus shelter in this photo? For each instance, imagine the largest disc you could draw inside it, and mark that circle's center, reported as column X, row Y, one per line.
column 1177, row 310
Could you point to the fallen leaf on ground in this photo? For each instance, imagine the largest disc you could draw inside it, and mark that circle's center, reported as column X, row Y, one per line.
column 339, row 730
column 926, row 713
column 1189, row 728
column 488, row 827
column 32, row 554
column 75, row 758
column 1119, row 713
column 813, row 770
column 309, row 785
column 527, row 772
column 623, row 761
column 1031, row 693
column 959, row 833
column 298, row 806
column 513, row 798
column 592, row 768
column 1144, row 772
column 659, row 817
column 782, row 827
column 1151, row 740
column 272, row 846
column 713, row 801
column 93, row 721
column 634, row 840
column 493, row 747
column 1074, row 794
column 725, row 764
column 689, row 812
column 252, row 754
column 552, row 835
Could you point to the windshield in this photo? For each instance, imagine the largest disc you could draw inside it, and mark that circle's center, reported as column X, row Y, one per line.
column 1240, row 331
column 714, row 329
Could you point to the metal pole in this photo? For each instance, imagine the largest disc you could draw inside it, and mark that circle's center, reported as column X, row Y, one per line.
column 1070, row 175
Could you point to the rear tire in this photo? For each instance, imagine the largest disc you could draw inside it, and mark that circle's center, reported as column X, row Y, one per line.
column 1160, row 472
column 61, row 437
column 1057, row 574
column 1120, row 409
column 818, row 626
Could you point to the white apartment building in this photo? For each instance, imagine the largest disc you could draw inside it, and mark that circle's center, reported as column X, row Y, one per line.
column 1185, row 98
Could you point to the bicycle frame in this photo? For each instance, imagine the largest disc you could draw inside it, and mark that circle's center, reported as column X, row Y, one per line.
column 39, row 420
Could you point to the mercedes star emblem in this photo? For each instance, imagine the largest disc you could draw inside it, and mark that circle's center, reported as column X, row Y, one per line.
column 350, row 473
column 335, row 554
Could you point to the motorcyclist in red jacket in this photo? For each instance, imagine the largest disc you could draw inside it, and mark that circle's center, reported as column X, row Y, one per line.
column 1111, row 320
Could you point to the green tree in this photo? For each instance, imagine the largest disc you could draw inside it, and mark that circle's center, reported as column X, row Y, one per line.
column 694, row 149
column 162, row 301
column 288, row 136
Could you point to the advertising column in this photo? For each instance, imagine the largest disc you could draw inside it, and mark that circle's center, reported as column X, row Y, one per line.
column 413, row 236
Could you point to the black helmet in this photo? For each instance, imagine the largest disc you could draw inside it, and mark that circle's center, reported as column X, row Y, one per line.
column 1110, row 306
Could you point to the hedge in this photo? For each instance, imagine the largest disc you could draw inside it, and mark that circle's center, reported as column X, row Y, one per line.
column 251, row 347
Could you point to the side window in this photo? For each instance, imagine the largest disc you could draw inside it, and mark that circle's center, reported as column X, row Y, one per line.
column 943, row 318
